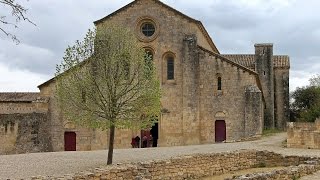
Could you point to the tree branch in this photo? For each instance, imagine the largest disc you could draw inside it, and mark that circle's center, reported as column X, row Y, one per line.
column 17, row 11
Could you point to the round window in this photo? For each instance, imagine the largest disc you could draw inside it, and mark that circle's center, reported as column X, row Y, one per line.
column 148, row 29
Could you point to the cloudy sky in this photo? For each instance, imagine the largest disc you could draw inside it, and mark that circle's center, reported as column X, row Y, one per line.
column 235, row 25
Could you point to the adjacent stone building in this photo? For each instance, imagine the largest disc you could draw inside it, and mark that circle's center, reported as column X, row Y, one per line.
column 303, row 134
column 207, row 96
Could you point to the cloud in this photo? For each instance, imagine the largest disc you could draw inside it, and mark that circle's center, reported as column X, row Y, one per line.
column 26, row 57
column 19, row 80
column 299, row 79
column 235, row 25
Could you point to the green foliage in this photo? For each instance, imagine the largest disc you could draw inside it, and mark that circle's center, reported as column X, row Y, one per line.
column 106, row 80
column 269, row 132
column 315, row 80
column 306, row 105
column 260, row 165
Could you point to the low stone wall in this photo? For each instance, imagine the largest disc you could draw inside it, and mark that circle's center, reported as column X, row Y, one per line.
column 289, row 173
column 194, row 167
column 22, row 133
column 303, row 135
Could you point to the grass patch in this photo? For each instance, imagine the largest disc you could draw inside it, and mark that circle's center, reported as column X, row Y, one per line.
column 269, row 132
column 260, row 165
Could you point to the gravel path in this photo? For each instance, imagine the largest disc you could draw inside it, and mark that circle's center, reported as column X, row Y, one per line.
column 60, row 163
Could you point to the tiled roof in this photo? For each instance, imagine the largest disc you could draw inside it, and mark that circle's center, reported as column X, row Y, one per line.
column 18, row 97
column 247, row 60
column 281, row 61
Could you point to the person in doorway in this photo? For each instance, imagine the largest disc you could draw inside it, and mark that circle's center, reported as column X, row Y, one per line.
column 137, row 141
column 144, row 141
column 150, row 140
column 133, row 143
column 154, row 133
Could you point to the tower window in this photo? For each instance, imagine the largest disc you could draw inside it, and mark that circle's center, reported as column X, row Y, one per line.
column 170, row 68
column 219, row 83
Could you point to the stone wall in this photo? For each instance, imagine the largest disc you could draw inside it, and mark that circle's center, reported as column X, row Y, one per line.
column 238, row 103
column 196, row 166
column 303, row 134
column 23, row 107
column 289, row 173
column 281, row 95
column 264, row 67
column 23, row 133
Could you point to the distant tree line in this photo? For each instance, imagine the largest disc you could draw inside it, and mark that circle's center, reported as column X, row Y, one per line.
column 305, row 102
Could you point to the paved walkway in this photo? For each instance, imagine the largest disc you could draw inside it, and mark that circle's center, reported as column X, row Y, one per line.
column 60, row 163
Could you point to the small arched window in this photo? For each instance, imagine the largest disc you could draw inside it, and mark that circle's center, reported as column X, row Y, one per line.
column 149, row 54
column 219, row 83
column 170, row 68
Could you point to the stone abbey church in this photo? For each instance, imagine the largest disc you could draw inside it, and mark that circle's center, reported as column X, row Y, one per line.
column 207, row 96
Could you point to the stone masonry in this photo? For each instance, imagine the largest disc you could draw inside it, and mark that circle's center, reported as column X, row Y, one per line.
column 212, row 97
column 304, row 135
column 204, row 165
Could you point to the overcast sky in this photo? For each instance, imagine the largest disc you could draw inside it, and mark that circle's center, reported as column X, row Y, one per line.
column 234, row 25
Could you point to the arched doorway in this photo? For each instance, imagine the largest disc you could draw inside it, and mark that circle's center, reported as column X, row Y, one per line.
column 155, row 135
column 220, row 130
column 70, row 141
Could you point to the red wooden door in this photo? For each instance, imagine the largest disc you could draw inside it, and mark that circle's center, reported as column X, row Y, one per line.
column 220, row 130
column 70, row 141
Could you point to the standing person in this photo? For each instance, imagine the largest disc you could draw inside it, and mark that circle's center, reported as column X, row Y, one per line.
column 154, row 132
column 150, row 141
column 137, row 139
column 144, row 141
column 133, row 143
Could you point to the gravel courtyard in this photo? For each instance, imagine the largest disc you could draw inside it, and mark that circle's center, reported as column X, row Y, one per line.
column 60, row 163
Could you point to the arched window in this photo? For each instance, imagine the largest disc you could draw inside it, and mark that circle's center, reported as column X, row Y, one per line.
column 149, row 53
column 219, row 83
column 170, row 68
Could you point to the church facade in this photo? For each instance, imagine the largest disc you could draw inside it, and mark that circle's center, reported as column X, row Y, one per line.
column 207, row 96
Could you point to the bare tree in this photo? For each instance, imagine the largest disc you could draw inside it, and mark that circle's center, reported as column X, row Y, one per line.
column 107, row 81
column 18, row 12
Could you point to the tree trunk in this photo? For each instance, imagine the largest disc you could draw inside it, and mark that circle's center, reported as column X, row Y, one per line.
column 111, row 142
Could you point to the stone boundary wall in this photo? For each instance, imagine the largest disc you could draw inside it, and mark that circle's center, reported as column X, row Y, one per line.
column 289, row 173
column 24, row 133
column 303, row 135
column 195, row 166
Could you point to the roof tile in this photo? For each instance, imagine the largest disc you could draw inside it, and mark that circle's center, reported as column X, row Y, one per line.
column 18, row 96
column 247, row 60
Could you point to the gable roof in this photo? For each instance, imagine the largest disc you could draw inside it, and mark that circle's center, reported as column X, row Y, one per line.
column 197, row 22
column 245, row 68
column 248, row 60
column 47, row 82
column 18, row 96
